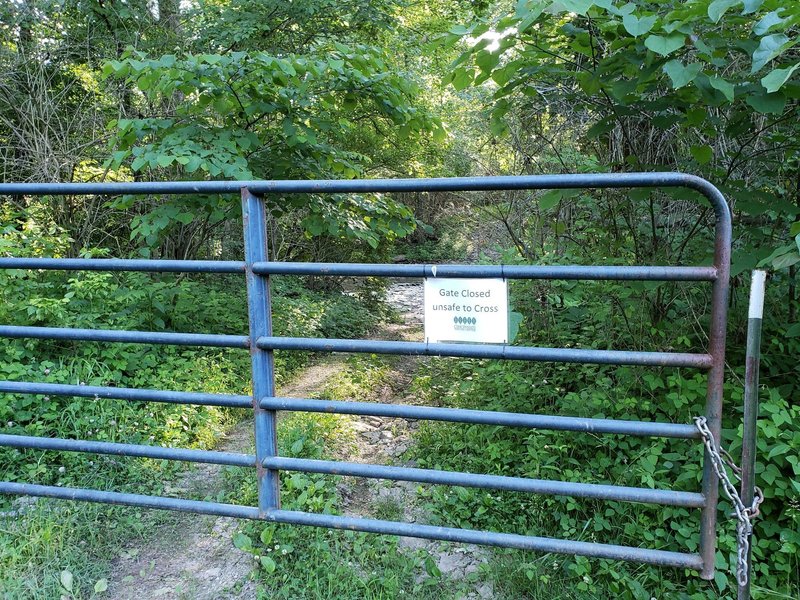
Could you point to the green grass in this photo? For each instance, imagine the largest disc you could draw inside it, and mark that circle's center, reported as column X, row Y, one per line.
column 62, row 544
column 306, row 562
column 361, row 376
column 60, row 541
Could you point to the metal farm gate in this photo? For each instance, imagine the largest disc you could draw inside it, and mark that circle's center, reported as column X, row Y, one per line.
column 261, row 343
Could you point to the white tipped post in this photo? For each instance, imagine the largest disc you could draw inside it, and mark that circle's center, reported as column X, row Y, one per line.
column 749, row 428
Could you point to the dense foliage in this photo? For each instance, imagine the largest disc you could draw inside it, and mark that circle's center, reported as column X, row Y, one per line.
column 573, row 316
column 280, row 89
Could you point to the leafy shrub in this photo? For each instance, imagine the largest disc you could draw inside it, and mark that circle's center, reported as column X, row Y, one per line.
column 569, row 315
column 124, row 301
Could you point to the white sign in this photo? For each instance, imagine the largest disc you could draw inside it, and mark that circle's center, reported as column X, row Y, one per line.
column 466, row 310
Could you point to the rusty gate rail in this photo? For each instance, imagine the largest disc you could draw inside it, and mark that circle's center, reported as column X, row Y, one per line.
column 261, row 344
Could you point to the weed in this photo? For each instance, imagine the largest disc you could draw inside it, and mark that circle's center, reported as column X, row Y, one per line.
column 388, row 508
column 362, row 375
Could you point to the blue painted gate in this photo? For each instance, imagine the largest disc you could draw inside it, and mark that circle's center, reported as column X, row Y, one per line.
column 261, row 343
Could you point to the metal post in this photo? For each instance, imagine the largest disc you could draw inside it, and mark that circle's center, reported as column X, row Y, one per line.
column 263, row 365
column 749, row 430
column 716, row 376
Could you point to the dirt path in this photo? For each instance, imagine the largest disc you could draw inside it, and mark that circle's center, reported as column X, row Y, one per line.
column 193, row 557
column 382, row 440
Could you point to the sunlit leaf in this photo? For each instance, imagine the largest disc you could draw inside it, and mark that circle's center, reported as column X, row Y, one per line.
column 681, row 74
column 776, row 78
column 719, row 7
column 637, row 26
column 664, row 45
column 771, row 46
column 724, row 86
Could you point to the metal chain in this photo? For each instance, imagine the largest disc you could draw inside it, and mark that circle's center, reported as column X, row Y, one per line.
column 744, row 514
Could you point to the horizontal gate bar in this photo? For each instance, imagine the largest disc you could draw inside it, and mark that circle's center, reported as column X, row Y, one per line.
column 484, row 417
column 119, row 393
column 344, row 186
column 570, row 355
column 118, row 449
column 126, row 499
column 450, row 534
column 132, row 337
column 485, row 271
column 490, row 538
column 644, row 273
column 496, row 482
column 124, row 264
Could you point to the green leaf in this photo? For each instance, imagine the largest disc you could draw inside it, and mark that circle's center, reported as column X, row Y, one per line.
column 266, row 535
column 786, row 261
column 462, row 78
column 193, row 164
column 101, row 586
column 743, row 260
column 767, row 103
column 432, row 568
column 118, row 156
column 702, row 154
column 498, row 126
column 164, row 160
column 775, row 80
column 770, row 47
column 681, row 75
column 487, row 61
column 721, row 580
column 600, row 128
column 589, row 82
column 514, row 321
column 268, row 564
column 242, row 542
column 66, row 580
column 459, row 30
column 723, row 85
column 287, row 67
column 664, row 45
column 549, row 199
column 719, row 7
column 770, row 20
column 138, row 163
column 580, row 7
column 781, row 258
column 638, row 26
column 696, row 116
column 751, row 6
column 528, row 15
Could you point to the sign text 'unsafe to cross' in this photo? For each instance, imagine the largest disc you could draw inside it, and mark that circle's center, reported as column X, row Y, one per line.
column 466, row 310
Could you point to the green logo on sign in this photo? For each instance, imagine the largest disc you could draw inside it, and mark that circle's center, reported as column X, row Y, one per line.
column 465, row 320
